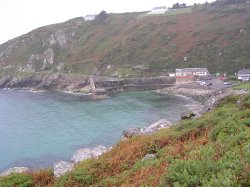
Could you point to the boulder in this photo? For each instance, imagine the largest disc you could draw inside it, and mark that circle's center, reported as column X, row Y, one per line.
column 98, row 150
column 239, row 103
column 81, row 154
column 148, row 157
column 163, row 123
column 86, row 153
column 14, row 170
column 61, row 167
column 131, row 132
column 187, row 115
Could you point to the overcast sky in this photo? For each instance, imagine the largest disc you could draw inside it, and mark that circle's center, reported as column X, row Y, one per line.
column 18, row 17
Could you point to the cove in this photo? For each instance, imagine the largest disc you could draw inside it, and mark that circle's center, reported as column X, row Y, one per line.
column 37, row 129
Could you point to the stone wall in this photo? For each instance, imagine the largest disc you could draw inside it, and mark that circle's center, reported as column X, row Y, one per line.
column 180, row 80
column 75, row 83
column 148, row 83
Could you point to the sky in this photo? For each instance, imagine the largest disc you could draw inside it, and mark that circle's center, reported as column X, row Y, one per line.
column 18, row 17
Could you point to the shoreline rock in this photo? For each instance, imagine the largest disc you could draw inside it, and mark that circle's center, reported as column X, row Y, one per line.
column 199, row 94
column 14, row 170
column 148, row 157
column 161, row 124
column 86, row 153
column 62, row 167
column 103, row 86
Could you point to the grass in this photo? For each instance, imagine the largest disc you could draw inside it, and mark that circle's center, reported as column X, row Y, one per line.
column 170, row 12
column 42, row 178
column 179, row 11
column 242, row 85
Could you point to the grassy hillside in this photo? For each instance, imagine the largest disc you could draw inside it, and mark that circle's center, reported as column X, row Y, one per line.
column 136, row 44
column 213, row 150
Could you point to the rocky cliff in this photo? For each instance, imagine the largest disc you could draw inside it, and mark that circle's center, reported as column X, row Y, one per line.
column 136, row 44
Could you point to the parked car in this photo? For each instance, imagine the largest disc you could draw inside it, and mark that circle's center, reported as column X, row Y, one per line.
column 228, row 83
column 201, row 83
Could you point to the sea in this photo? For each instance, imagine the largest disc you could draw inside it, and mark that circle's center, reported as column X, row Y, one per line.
column 37, row 129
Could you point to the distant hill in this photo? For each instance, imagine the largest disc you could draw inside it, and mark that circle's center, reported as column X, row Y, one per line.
column 137, row 44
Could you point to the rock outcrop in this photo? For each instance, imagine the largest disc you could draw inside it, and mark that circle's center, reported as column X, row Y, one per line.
column 163, row 123
column 15, row 170
column 187, row 115
column 86, row 153
column 131, row 132
column 5, row 80
column 210, row 103
column 62, row 167
column 148, row 157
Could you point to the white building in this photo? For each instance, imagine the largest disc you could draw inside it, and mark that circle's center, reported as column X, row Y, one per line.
column 186, row 75
column 159, row 10
column 171, row 74
column 244, row 74
column 89, row 17
column 185, row 72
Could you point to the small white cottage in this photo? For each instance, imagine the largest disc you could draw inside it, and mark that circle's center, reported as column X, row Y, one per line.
column 159, row 10
column 244, row 74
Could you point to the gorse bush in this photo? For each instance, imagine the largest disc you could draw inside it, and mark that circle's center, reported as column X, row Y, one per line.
column 19, row 180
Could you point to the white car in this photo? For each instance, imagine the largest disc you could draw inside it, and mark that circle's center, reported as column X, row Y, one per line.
column 201, row 83
column 228, row 83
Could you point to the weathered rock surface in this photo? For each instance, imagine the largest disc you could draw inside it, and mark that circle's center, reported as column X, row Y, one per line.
column 148, row 157
column 62, row 167
column 49, row 82
column 163, row 123
column 86, row 153
column 187, row 115
column 210, row 103
column 18, row 82
column 131, row 132
column 15, row 170
column 4, row 80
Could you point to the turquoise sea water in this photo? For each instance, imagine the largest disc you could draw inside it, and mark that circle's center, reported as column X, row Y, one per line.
column 37, row 129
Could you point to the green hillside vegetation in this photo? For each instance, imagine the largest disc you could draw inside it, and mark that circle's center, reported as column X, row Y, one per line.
column 212, row 36
column 213, row 150
column 242, row 85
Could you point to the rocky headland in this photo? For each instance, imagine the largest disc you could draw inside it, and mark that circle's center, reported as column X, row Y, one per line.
column 92, row 87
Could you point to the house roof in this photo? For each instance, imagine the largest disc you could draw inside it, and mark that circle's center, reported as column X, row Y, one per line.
column 191, row 70
column 244, row 71
column 160, row 7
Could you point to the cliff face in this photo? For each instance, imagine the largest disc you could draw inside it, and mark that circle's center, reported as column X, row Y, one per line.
column 135, row 44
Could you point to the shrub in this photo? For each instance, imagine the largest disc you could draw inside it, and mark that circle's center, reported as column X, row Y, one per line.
column 20, row 180
column 191, row 172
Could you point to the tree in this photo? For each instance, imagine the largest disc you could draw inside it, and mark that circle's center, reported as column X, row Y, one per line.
column 102, row 15
column 183, row 5
column 176, row 6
